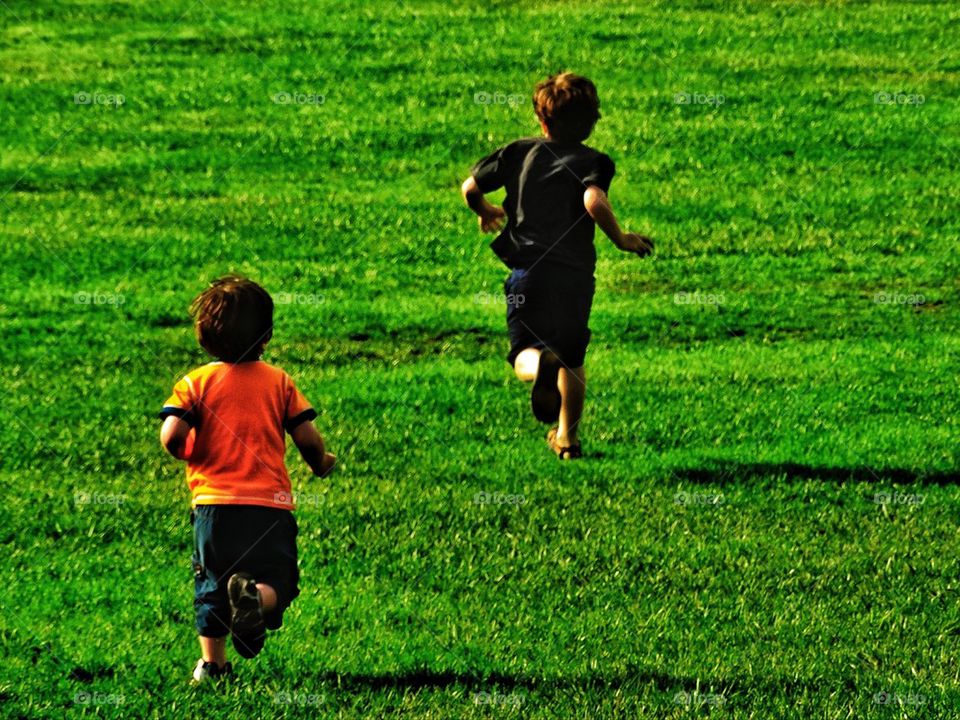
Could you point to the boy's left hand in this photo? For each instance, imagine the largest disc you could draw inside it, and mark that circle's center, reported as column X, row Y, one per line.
column 492, row 219
column 329, row 463
column 638, row 244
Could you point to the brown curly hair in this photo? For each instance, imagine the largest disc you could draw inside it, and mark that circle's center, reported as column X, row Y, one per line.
column 233, row 319
column 568, row 105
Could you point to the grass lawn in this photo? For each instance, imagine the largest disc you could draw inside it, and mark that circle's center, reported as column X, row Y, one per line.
column 765, row 525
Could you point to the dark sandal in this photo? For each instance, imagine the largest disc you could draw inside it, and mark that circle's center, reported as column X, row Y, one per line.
column 545, row 396
column 573, row 452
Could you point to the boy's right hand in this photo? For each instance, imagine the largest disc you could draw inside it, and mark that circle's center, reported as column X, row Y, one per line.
column 637, row 243
column 492, row 219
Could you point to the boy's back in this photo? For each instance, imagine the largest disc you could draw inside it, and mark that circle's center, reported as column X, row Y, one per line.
column 545, row 181
column 243, row 409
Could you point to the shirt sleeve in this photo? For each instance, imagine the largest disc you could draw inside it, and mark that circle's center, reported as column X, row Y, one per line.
column 181, row 402
column 491, row 173
column 299, row 409
column 601, row 173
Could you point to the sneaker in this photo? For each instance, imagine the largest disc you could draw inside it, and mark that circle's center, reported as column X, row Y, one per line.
column 207, row 671
column 246, row 616
column 545, row 395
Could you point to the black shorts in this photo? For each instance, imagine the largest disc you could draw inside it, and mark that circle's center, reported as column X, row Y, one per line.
column 228, row 539
column 549, row 307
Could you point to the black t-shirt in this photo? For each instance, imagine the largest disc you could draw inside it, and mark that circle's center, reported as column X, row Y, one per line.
column 547, row 223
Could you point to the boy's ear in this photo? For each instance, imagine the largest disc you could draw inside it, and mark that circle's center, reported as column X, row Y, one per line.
column 266, row 339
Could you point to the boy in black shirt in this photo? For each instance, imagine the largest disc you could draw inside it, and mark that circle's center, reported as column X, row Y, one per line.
column 556, row 191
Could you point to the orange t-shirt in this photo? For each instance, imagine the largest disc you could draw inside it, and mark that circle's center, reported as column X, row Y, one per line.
column 239, row 412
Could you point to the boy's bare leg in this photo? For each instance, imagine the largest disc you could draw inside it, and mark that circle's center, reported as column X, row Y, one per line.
column 268, row 597
column 573, row 389
column 527, row 364
column 214, row 650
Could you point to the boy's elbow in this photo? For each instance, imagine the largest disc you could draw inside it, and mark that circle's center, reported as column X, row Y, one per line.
column 469, row 188
column 173, row 436
column 173, row 444
column 594, row 200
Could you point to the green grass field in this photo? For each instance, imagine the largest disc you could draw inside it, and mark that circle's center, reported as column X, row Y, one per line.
column 765, row 525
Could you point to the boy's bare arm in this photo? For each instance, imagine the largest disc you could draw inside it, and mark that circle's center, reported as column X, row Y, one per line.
column 173, row 436
column 597, row 204
column 491, row 216
column 311, row 447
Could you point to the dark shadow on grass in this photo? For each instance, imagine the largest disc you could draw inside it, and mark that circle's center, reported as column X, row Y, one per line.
column 443, row 679
column 726, row 472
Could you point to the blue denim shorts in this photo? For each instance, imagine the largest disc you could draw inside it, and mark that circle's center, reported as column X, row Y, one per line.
column 228, row 539
column 549, row 307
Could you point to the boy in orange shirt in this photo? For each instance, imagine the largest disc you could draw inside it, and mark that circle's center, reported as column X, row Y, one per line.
column 227, row 420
